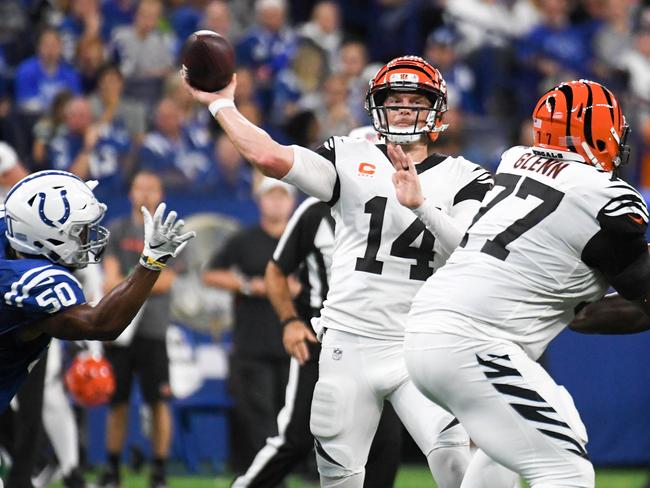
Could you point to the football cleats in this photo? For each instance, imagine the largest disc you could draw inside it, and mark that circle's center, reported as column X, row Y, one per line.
column 582, row 120
column 54, row 214
column 90, row 380
column 410, row 74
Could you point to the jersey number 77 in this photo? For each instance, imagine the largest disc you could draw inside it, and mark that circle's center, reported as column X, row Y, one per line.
column 549, row 196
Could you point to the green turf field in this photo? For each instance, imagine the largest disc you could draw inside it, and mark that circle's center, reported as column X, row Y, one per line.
column 414, row 476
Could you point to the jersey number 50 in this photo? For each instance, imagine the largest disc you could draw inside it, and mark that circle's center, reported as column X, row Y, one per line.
column 52, row 298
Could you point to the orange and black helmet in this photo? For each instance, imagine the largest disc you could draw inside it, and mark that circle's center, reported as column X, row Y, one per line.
column 582, row 118
column 410, row 74
column 90, row 380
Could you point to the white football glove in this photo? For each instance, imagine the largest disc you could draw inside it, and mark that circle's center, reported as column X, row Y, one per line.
column 162, row 240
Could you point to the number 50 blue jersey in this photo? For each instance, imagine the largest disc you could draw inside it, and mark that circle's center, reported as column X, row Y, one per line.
column 30, row 290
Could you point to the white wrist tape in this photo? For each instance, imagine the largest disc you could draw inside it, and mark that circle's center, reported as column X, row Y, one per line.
column 218, row 104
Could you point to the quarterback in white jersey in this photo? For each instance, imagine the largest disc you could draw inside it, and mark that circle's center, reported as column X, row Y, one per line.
column 382, row 255
column 555, row 231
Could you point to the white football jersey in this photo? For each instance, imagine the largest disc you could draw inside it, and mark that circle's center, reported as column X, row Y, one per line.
column 382, row 252
column 538, row 249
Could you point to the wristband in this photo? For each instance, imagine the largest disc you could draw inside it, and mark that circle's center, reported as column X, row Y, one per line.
column 245, row 288
column 218, row 104
column 288, row 320
column 150, row 263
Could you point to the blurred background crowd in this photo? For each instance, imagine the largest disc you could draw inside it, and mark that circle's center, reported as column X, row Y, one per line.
column 93, row 87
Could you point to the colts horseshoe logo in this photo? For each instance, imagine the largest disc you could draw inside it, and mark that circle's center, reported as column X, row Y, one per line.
column 45, row 218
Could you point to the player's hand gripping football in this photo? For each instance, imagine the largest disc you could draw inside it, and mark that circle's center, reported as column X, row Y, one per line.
column 405, row 178
column 206, row 98
column 162, row 239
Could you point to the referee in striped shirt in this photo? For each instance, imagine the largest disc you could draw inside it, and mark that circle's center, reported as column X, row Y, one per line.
column 306, row 247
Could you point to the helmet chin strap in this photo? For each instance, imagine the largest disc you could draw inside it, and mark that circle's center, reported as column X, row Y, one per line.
column 592, row 159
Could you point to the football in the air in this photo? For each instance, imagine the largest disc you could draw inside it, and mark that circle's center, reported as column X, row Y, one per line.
column 208, row 61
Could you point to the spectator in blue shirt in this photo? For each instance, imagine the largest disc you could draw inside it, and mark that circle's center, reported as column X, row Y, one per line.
column 235, row 180
column 553, row 51
column 47, row 127
column 116, row 13
column 83, row 21
column 184, row 19
column 267, row 47
column 461, row 84
column 41, row 77
column 299, row 87
column 179, row 154
column 110, row 106
column 90, row 150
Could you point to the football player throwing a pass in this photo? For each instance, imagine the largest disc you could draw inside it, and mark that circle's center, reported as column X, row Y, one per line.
column 555, row 231
column 382, row 255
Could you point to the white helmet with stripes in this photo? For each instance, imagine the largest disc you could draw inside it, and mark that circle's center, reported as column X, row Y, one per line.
column 55, row 214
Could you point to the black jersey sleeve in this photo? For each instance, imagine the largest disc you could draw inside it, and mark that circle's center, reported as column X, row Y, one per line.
column 298, row 238
column 476, row 189
column 619, row 249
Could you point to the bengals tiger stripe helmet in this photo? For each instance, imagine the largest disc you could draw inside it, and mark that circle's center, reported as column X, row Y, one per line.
column 582, row 120
column 410, row 74
column 90, row 380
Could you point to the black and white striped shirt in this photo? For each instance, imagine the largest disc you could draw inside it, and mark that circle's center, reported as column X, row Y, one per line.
column 306, row 246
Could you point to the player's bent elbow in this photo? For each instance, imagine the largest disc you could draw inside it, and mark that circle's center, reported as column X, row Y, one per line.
column 268, row 165
column 274, row 164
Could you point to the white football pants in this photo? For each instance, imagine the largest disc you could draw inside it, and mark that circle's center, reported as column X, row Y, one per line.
column 510, row 406
column 356, row 375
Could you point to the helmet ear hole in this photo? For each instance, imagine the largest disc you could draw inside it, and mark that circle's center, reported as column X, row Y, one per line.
column 600, row 144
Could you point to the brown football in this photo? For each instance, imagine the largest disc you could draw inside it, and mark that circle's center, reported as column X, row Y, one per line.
column 208, row 61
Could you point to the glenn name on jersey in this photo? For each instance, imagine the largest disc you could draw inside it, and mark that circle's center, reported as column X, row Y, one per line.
column 31, row 289
column 383, row 253
column 570, row 224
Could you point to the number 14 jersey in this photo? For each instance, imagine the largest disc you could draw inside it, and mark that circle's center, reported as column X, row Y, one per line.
column 548, row 238
column 382, row 252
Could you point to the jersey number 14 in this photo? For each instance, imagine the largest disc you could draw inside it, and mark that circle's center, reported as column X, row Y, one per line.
column 402, row 246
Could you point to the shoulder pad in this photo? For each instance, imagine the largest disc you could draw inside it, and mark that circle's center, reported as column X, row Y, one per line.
column 47, row 289
column 625, row 210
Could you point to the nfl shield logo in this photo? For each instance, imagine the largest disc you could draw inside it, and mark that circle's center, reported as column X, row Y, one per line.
column 337, row 354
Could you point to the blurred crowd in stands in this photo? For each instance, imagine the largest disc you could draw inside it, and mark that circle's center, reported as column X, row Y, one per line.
column 92, row 86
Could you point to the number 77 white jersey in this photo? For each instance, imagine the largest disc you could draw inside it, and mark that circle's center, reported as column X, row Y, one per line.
column 546, row 237
column 382, row 252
